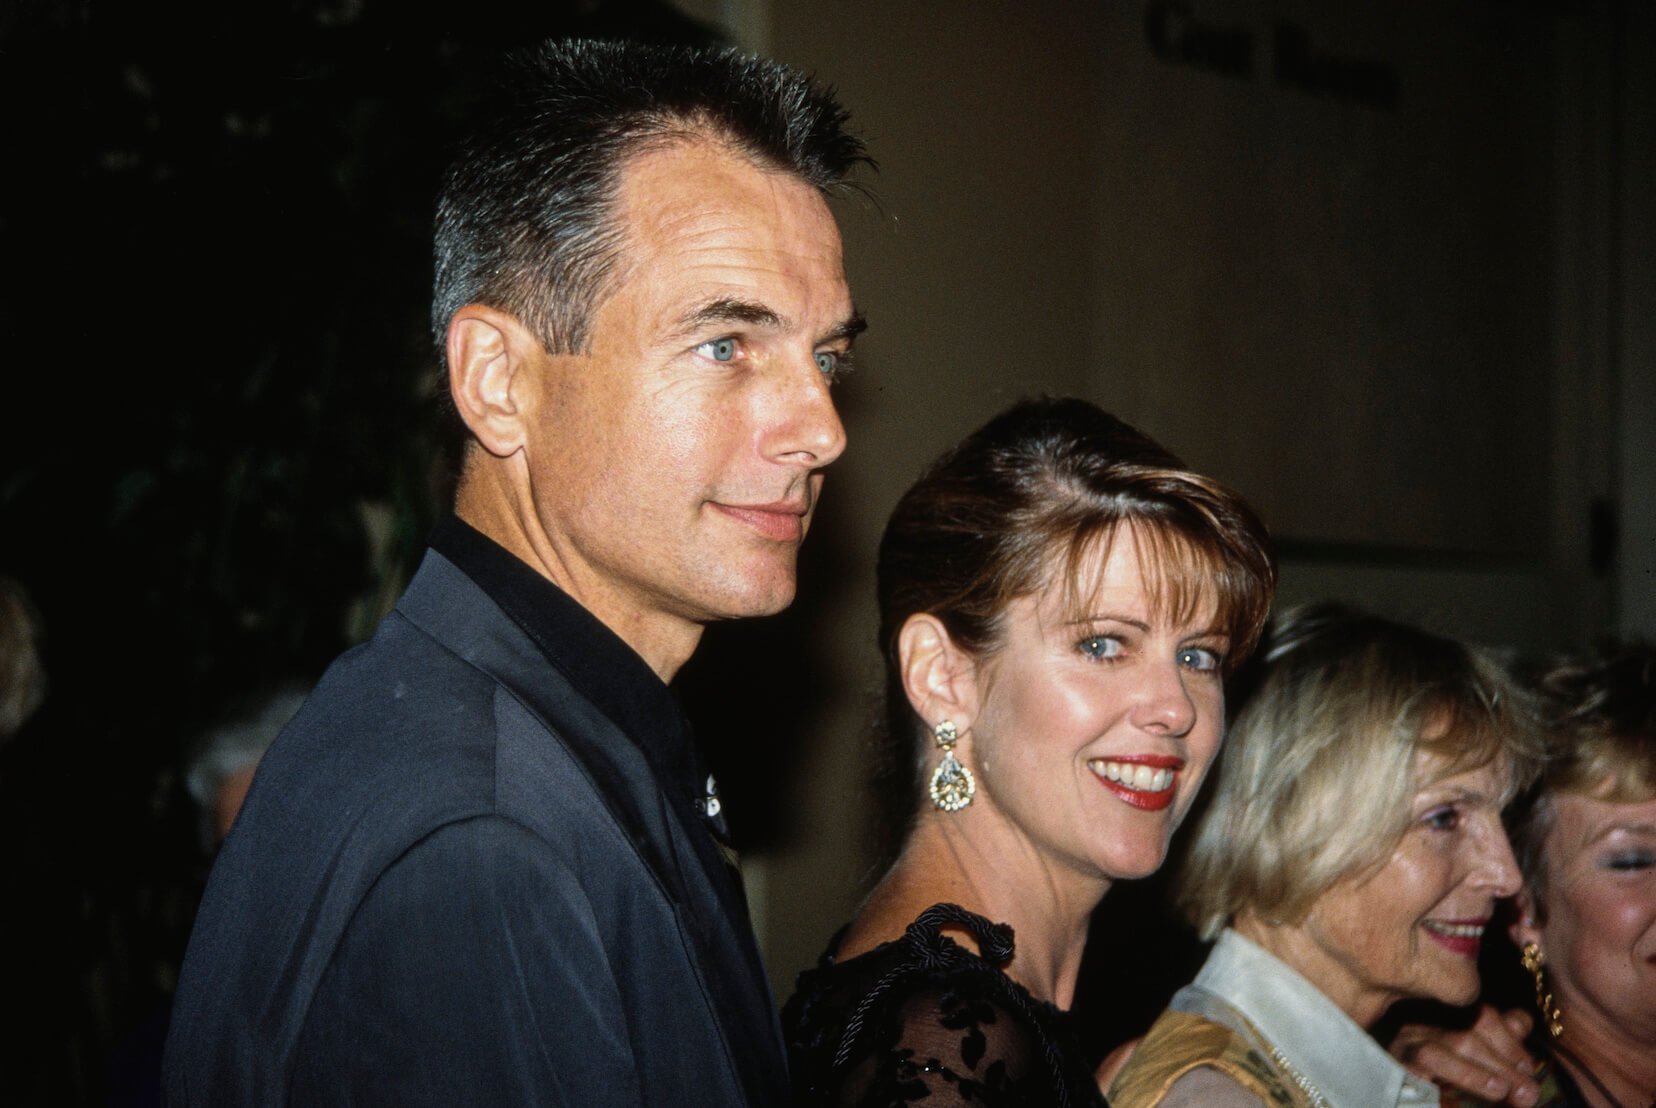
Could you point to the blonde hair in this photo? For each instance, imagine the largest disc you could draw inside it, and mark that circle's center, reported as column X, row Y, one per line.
column 1600, row 719
column 1317, row 776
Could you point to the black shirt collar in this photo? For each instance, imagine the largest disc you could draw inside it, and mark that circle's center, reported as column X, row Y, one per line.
column 593, row 658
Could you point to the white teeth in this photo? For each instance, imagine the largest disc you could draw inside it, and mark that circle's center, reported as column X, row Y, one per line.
column 1140, row 778
column 1456, row 930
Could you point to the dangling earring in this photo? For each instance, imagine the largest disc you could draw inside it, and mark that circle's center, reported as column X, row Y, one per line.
column 1533, row 961
column 951, row 785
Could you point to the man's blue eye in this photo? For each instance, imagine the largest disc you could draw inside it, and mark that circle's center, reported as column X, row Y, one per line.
column 1199, row 658
column 827, row 361
column 720, row 350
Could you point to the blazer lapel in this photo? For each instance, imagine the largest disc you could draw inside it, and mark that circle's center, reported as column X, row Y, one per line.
column 669, row 837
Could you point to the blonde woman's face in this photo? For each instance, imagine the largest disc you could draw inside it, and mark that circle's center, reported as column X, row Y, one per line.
column 1600, row 931
column 1414, row 927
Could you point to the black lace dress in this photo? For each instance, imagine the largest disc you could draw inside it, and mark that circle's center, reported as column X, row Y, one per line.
column 925, row 1019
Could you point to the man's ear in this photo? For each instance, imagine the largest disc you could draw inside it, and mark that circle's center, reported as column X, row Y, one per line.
column 940, row 678
column 489, row 355
column 1527, row 927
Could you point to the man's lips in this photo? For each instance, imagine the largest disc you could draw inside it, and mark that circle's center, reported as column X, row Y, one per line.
column 1145, row 781
column 781, row 521
column 1459, row 936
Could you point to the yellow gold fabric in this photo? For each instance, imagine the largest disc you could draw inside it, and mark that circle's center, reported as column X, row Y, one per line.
column 1180, row 1042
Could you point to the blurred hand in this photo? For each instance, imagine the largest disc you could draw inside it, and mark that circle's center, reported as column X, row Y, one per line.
column 1487, row 1060
column 1112, row 1063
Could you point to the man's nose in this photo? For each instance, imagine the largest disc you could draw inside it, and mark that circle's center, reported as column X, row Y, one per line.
column 806, row 426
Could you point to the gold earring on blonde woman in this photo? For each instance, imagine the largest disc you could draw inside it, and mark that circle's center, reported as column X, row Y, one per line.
column 1533, row 961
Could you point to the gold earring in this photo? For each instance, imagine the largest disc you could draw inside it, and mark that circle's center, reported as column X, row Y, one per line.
column 952, row 785
column 1533, row 961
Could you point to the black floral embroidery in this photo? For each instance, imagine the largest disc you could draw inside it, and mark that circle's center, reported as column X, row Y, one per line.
column 957, row 1011
column 926, row 1020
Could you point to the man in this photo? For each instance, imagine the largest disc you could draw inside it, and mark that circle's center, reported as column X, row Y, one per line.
column 483, row 864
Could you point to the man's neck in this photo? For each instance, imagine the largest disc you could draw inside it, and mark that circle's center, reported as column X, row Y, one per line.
column 490, row 503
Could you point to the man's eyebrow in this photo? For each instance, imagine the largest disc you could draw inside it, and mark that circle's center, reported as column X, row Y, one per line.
column 729, row 309
column 846, row 330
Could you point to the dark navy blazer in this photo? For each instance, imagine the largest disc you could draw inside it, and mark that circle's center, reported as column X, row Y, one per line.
column 457, row 881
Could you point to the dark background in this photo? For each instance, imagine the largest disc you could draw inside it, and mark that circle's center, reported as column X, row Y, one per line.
column 220, row 450
column 215, row 233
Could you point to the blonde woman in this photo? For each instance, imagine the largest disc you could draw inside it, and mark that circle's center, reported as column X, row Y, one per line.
column 1586, row 922
column 1352, row 857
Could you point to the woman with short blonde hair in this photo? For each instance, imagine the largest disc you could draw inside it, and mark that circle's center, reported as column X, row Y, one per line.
column 1318, row 775
column 1586, row 840
column 1350, row 858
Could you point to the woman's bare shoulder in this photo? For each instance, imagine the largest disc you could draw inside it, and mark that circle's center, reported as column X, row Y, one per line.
column 906, row 893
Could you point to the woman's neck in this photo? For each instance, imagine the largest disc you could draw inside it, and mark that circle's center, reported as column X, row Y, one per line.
column 998, row 876
column 1293, row 945
column 1595, row 1043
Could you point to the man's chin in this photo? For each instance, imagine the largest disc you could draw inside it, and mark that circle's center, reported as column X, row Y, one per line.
column 740, row 583
column 770, row 604
column 759, row 598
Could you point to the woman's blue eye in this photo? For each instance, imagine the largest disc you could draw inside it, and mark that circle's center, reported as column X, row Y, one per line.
column 1199, row 658
column 1099, row 646
column 1447, row 818
column 720, row 350
column 1630, row 860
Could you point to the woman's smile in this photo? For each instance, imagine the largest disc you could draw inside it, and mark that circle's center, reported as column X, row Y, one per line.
column 1145, row 781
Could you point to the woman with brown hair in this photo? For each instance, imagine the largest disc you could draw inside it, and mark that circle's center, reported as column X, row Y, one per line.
column 1060, row 600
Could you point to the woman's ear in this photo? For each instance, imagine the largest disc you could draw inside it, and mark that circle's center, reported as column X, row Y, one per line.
column 940, row 678
column 1526, row 928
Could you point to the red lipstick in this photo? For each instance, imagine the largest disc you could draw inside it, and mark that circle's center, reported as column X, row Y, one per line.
column 1143, row 799
column 1457, row 936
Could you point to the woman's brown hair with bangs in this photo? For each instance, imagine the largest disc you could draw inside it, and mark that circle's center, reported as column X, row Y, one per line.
column 1031, row 495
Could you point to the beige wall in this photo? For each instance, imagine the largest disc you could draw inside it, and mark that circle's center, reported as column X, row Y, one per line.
column 1634, row 287
column 1394, row 316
